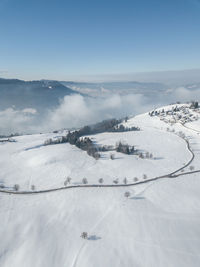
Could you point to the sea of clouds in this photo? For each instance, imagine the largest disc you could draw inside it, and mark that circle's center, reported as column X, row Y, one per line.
column 78, row 110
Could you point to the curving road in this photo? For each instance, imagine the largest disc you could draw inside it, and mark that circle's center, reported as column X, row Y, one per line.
column 169, row 175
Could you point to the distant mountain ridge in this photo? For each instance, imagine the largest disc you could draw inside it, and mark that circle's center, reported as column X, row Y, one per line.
column 35, row 94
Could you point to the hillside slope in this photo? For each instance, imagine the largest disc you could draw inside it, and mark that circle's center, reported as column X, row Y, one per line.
column 158, row 225
column 33, row 94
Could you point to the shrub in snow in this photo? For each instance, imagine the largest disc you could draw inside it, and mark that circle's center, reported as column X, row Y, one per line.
column 191, row 168
column 135, row 179
column 127, row 194
column 116, row 181
column 84, row 235
column 112, row 156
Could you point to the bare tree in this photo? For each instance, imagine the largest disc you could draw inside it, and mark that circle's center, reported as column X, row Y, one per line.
column 125, row 180
column 33, row 187
column 144, row 176
column 16, row 187
column 127, row 194
column 67, row 181
column 101, row 180
column 84, row 235
column 85, row 181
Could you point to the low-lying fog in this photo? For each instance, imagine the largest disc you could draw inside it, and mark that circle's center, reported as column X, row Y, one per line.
column 90, row 102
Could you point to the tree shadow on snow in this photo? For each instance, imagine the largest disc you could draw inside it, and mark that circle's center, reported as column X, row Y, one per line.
column 94, row 237
column 158, row 158
column 137, row 198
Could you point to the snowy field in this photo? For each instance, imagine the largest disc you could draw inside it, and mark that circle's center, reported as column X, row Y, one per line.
column 27, row 162
column 158, row 225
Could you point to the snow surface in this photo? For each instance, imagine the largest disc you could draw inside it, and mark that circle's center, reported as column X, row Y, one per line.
column 157, row 226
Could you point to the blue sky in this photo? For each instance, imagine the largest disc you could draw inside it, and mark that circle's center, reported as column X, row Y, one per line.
column 59, row 39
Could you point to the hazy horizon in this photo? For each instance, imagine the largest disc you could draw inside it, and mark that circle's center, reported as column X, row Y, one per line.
column 168, row 77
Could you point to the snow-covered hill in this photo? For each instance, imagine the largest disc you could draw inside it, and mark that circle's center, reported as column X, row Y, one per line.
column 157, row 225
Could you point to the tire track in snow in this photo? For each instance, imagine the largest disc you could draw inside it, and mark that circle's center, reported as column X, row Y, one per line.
column 74, row 263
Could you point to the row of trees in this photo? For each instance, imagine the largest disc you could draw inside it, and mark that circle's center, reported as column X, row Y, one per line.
column 101, row 180
column 16, row 187
column 145, row 155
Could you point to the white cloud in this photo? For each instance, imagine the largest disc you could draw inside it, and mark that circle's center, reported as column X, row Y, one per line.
column 72, row 112
column 12, row 121
column 183, row 94
column 29, row 110
column 77, row 110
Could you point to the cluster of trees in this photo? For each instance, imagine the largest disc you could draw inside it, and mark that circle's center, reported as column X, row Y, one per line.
column 146, row 155
column 194, row 104
column 73, row 138
column 10, row 135
column 121, row 128
column 125, row 148
column 111, row 125
column 86, row 144
column 51, row 141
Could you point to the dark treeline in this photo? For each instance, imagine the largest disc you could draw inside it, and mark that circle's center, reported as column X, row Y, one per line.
column 85, row 143
column 10, row 135
column 111, row 125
